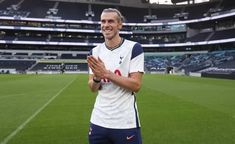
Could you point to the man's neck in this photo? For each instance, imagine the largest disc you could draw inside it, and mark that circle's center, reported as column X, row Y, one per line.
column 113, row 43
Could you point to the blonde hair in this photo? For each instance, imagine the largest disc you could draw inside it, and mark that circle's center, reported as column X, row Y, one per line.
column 120, row 16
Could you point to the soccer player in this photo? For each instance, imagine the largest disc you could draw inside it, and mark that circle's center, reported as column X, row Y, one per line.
column 116, row 68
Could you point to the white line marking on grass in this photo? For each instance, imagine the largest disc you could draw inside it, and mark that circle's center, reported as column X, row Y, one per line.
column 10, row 136
column 22, row 94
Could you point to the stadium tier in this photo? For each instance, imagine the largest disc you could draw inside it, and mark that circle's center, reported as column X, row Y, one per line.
column 65, row 31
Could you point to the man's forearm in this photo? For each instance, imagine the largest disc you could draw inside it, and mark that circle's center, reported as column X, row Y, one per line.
column 132, row 83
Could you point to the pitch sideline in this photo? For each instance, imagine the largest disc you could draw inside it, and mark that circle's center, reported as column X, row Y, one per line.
column 11, row 135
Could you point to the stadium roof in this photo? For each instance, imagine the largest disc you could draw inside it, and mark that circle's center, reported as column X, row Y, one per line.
column 170, row 1
column 140, row 3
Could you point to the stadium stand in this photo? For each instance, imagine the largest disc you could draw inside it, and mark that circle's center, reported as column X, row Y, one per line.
column 223, row 34
column 190, row 62
column 66, row 31
column 72, row 11
column 18, row 65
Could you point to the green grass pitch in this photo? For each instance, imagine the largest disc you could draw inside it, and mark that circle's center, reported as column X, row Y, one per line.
column 55, row 109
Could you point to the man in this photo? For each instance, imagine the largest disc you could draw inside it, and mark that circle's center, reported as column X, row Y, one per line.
column 62, row 68
column 116, row 68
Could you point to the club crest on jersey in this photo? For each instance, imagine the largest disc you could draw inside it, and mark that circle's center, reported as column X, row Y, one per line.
column 121, row 57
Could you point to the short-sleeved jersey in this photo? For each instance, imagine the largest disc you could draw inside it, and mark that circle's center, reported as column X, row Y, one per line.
column 115, row 107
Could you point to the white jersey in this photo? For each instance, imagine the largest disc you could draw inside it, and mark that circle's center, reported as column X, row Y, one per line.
column 115, row 107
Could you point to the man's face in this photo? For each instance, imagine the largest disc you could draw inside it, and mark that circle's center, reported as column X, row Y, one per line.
column 110, row 25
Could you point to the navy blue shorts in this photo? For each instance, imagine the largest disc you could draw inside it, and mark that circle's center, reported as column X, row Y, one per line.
column 101, row 135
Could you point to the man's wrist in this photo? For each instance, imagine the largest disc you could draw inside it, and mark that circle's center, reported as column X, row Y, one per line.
column 96, row 80
column 108, row 74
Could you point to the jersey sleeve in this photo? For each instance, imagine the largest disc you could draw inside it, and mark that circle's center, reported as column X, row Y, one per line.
column 137, row 59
